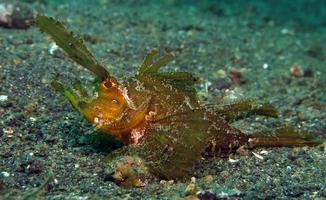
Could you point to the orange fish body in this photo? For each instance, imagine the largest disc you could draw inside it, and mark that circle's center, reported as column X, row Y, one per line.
column 126, row 112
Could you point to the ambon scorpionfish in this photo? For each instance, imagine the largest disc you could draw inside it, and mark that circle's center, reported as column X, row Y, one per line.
column 159, row 114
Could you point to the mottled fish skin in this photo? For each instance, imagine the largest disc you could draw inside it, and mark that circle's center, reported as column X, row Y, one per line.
column 158, row 113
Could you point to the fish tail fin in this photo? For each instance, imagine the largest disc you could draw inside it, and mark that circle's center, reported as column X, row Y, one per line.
column 284, row 137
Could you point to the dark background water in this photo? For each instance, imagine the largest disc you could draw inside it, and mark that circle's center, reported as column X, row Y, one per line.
column 306, row 13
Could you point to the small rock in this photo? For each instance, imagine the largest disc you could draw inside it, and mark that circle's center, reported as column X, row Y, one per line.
column 208, row 178
column 8, row 131
column 225, row 174
column 258, row 156
column 4, row 174
column 229, row 194
column 221, row 83
column 35, row 167
column 286, row 31
column 237, row 76
column 52, row 48
column 131, row 172
column 219, row 74
column 206, row 195
column 55, row 51
column 3, row 98
column 5, row 102
column 296, row 70
column 308, row 73
column 193, row 180
column 191, row 189
column 264, row 152
column 231, row 95
column 265, row 66
column 16, row 16
column 233, row 161
column 242, row 150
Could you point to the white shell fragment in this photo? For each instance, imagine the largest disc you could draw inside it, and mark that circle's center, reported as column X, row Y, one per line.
column 52, row 48
column 5, row 174
column 258, row 156
column 264, row 152
column 3, row 97
column 233, row 161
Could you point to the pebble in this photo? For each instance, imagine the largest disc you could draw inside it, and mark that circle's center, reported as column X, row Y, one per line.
column 193, row 180
column 191, row 189
column 264, row 152
column 16, row 16
column 219, row 74
column 265, row 66
column 229, row 194
column 36, row 167
column 55, row 51
column 233, row 161
column 221, row 83
column 208, row 178
column 237, row 76
column 286, row 31
column 52, row 48
column 8, row 131
column 296, row 70
column 258, row 156
column 308, row 73
column 5, row 174
column 232, row 95
column 206, row 195
column 3, row 98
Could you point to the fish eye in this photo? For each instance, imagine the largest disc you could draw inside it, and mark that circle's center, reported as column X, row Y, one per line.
column 107, row 84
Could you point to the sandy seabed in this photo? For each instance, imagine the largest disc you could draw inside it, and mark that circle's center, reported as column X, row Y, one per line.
column 40, row 132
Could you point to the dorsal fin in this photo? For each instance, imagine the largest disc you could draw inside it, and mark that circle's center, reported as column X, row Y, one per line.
column 73, row 45
column 179, row 79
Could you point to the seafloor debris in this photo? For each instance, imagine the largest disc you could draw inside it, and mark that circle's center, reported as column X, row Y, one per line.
column 16, row 16
column 236, row 76
column 221, row 83
column 296, row 70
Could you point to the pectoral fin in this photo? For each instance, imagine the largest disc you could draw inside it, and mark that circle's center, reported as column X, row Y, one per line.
column 74, row 98
column 175, row 145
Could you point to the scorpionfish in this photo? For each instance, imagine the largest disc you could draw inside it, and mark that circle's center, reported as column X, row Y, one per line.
column 159, row 114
